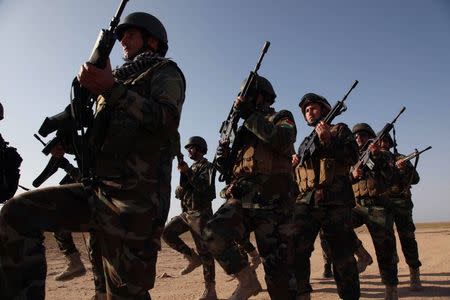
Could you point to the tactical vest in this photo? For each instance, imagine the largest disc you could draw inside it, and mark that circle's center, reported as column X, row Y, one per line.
column 401, row 186
column 367, row 187
column 257, row 157
column 319, row 174
column 193, row 199
column 120, row 135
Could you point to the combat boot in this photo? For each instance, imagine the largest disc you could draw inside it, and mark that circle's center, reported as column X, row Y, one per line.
column 74, row 268
column 194, row 262
column 364, row 258
column 210, row 292
column 414, row 279
column 248, row 285
column 390, row 292
column 327, row 272
column 306, row 296
column 255, row 259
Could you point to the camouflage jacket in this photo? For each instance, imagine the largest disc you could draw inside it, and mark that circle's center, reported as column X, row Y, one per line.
column 196, row 191
column 134, row 133
column 10, row 162
column 403, row 179
column 323, row 178
column 374, row 183
column 264, row 144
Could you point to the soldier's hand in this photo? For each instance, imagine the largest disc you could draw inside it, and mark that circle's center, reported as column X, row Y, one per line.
column 179, row 192
column 97, row 81
column 229, row 191
column 374, row 148
column 223, row 149
column 323, row 132
column 244, row 106
column 58, row 151
column 400, row 164
column 183, row 167
column 357, row 173
column 295, row 160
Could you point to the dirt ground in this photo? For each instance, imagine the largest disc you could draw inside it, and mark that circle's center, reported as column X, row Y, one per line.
column 434, row 251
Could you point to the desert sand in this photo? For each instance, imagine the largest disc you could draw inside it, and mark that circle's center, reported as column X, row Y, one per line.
column 434, row 251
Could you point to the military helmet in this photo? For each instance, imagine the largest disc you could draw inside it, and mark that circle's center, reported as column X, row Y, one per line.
column 263, row 86
column 197, row 141
column 1, row 111
column 314, row 98
column 146, row 22
column 389, row 140
column 364, row 127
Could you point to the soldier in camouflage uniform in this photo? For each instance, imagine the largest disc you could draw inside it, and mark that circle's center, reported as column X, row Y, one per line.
column 405, row 175
column 196, row 191
column 372, row 207
column 133, row 139
column 325, row 201
column 258, row 196
column 10, row 161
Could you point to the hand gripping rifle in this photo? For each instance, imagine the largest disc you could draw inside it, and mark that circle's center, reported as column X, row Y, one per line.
column 364, row 160
column 53, row 164
column 228, row 129
column 412, row 155
column 309, row 144
column 78, row 116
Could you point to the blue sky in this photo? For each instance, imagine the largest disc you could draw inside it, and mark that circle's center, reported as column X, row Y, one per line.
column 398, row 50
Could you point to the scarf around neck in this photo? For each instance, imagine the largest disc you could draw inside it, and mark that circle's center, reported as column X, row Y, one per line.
column 139, row 64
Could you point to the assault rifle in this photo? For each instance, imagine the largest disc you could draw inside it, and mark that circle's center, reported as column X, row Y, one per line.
column 364, row 160
column 78, row 115
column 309, row 144
column 412, row 155
column 228, row 129
column 53, row 165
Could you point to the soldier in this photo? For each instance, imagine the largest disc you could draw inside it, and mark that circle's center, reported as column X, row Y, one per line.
column 258, row 196
column 405, row 175
column 196, row 191
column 133, row 140
column 10, row 162
column 369, row 186
column 325, row 201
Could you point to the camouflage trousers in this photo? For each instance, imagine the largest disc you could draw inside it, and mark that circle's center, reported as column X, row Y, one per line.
column 245, row 246
column 406, row 232
column 384, row 243
column 335, row 223
column 65, row 242
column 325, row 248
column 129, row 241
column 233, row 223
column 195, row 223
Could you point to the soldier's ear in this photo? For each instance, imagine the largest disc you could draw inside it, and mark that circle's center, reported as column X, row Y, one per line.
column 153, row 43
